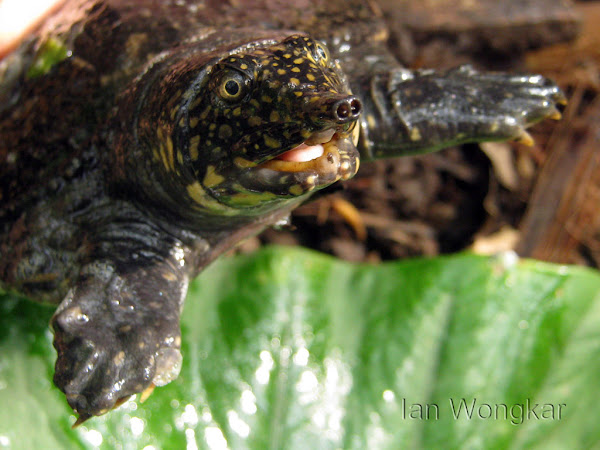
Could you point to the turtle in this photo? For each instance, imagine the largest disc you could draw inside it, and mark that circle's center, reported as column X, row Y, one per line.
column 140, row 140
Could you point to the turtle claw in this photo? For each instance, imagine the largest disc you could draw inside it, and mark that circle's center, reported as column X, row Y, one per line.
column 525, row 138
column 147, row 392
column 555, row 114
column 84, row 417
column 560, row 98
column 81, row 419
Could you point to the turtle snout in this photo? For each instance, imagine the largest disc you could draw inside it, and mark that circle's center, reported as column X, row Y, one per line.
column 346, row 110
column 333, row 109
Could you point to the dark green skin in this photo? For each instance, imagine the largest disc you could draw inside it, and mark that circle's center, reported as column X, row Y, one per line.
column 148, row 150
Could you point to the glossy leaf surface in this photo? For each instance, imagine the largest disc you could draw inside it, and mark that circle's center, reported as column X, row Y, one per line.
column 289, row 349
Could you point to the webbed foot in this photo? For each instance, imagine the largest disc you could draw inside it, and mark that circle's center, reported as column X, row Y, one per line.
column 410, row 112
column 116, row 336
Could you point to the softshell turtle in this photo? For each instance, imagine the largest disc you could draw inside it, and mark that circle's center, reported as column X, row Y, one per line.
column 141, row 139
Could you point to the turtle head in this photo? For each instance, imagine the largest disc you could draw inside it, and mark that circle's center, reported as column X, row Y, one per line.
column 271, row 122
column 250, row 128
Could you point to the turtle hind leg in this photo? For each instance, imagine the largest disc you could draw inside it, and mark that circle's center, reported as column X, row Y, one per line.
column 117, row 333
column 411, row 112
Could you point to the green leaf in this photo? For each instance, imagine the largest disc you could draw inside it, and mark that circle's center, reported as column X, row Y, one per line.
column 49, row 54
column 287, row 348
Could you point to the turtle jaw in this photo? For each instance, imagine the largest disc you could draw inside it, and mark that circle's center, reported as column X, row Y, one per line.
column 335, row 159
column 309, row 166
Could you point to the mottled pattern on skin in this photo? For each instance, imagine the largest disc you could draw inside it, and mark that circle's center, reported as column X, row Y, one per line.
column 166, row 132
column 207, row 137
column 264, row 103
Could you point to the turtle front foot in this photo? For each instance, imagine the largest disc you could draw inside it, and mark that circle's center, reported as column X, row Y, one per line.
column 411, row 112
column 508, row 104
column 116, row 336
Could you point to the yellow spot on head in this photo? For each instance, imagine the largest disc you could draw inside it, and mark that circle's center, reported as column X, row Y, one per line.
column 201, row 198
column 170, row 154
column 243, row 163
column 274, row 117
column 248, row 198
column 271, row 142
column 243, row 66
column 415, row 134
column 174, row 112
column 194, row 142
column 254, row 121
column 296, row 189
column 298, row 60
column 212, row 178
column 295, row 81
column 205, row 113
column 164, row 157
column 281, row 71
column 225, row 131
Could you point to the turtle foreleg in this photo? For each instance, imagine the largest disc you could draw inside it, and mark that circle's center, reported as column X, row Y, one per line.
column 410, row 112
column 117, row 333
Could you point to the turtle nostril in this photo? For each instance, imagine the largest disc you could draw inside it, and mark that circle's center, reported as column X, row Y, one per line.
column 343, row 111
column 355, row 106
column 347, row 109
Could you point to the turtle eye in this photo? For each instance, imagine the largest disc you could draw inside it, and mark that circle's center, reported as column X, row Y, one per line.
column 232, row 86
column 322, row 55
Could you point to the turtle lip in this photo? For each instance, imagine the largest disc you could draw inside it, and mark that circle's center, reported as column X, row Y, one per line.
column 309, row 149
column 326, row 154
column 311, row 165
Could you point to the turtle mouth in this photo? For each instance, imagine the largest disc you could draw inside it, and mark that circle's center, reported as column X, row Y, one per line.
column 321, row 160
column 307, row 152
column 327, row 154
